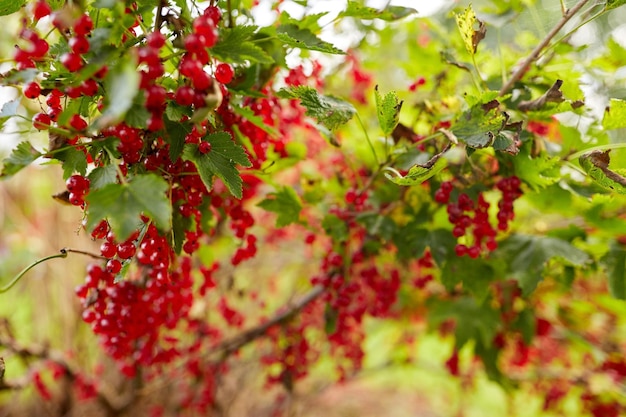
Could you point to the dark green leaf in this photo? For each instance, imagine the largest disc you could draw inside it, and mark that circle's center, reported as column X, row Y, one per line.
column 615, row 263
column 379, row 225
column 220, row 161
column 441, row 243
column 411, row 241
column 478, row 126
column 390, row 13
column 22, row 156
column 330, row 111
column 73, row 161
column 122, row 205
column 175, row 133
column 180, row 224
column 285, row 203
column 335, row 228
column 10, row 6
column 526, row 257
column 475, row 274
column 302, row 38
column 235, row 46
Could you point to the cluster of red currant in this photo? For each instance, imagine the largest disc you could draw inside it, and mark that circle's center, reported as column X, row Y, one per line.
column 472, row 217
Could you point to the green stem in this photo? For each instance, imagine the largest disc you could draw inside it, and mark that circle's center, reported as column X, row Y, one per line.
column 367, row 137
column 19, row 276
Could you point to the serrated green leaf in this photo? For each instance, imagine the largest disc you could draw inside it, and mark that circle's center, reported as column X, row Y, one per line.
column 538, row 172
column 615, row 263
column 390, row 13
column 9, row 109
column 235, row 46
column 10, row 6
column 479, row 126
column 303, row 38
column 526, row 257
column 388, row 109
column 101, row 176
column 615, row 115
column 335, row 228
column 22, row 156
column 330, row 111
column 285, row 203
column 122, row 205
column 418, row 173
column 220, row 161
column 175, row 133
column 73, row 161
column 121, row 85
column 474, row 274
column 411, row 241
column 473, row 321
column 596, row 164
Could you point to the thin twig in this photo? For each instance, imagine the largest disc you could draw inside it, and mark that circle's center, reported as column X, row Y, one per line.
column 228, row 347
column 567, row 16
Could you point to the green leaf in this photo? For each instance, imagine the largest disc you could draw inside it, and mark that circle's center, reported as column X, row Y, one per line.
column 235, row 46
column 390, row 13
column 538, row 172
column 474, row 274
column 473, row 321
column 378, row 225
column 102, row 176
column 285, row 203
column 220, row 161
column 411, row 241
column 122, row 205
column 526, row 256
column 596, row 164
column 10, row 6
column 388, row 109
column 479, row 126
column 466, row 22
column 73, row 161
column 418, row 173
column 335, row 228
column 175, row 133
column 249, row 115
column 121, row 85
column 9, row 109
column 615, row 115
column 441, row 243
column 613, row 4
column 303, row 38
column 330, row 111
column 615, row 263
column 22, row 156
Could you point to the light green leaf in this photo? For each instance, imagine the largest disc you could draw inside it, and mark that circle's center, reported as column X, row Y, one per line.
column 122, row 205
column 479, row 126
column 613, row 4
column 466, row 22
column 121, row 85
column 102, row 176
column 10, row 6
column 418, row 173
column 220, row 161
column 390, row 13
column 9, row 109
column 526, row 257
column 285, row 203
column 335, row 228
column 303, row 38
column 596, row 164
column 330, row 111
column 235, row 46
column 22, row 156
column 73, row 161
column 388, row 109
column 615, row 263
column 538, row 172
column 615, row 115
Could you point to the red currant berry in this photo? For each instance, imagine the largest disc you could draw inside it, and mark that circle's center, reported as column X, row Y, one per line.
column 155, row 40
column 41, row 9
column 204, row 147
column 224, row 73
column 113, row 266
column 77, row 122
column 83, row 25
column 184, row 95
column 79, row 45
column 32, row 90
column 474, row 252
column 126, row 250
column 460, row 250
column 71, row 61
column 41, row 121
column 108, row 249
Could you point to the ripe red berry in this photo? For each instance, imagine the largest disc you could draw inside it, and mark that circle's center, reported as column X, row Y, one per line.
column 83, row 25
column 155, row 40
column 204, row 147
column 79, row 45
column 71, row 61
column 185, row 95
column 108, row 249
column 32, row 90
column 77, row 122
column 224, row 73
column 41, row 9
column 126, row 250
column 113, row 266
column 41, row 121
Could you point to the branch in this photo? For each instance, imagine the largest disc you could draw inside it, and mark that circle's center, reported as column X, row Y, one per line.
column 517, row 75
column 228, row 347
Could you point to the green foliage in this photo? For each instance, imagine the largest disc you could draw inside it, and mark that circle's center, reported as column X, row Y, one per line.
column 615, row 115
column 236, row 45
column 221, row 161
column 121, row 85
column 10, row 6
column 303, row 38
column 9, row 109
column 615, row 264
column 596, row 164
column 388, row 109
column 285, row 203
column 466, row 23
column 22, row 156
column 330, row 111
column 122, row 205
column 418, row 173
column 479, row 126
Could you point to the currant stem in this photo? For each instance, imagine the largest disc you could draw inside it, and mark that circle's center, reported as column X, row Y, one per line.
column 517, row 75
column 19, row 276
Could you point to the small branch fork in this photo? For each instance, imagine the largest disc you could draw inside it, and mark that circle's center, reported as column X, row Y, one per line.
column 534, row 55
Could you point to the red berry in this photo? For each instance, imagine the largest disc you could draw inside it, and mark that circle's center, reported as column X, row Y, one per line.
column 32, row 90
column 126, row 250
column 77, row 122
column 41, row 121
column 204, row 147
column 474, row 252
column 41, row 9
column 108, row 249
column 114, row 266
column 79, row 45
column 155, row 40
column 224, row 73
column 76, row 199
column 83, row 25
column 185, row 95
column 460, row 250
column 71, row 61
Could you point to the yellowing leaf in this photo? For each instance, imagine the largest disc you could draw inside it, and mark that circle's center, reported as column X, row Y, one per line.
column 466, row 22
